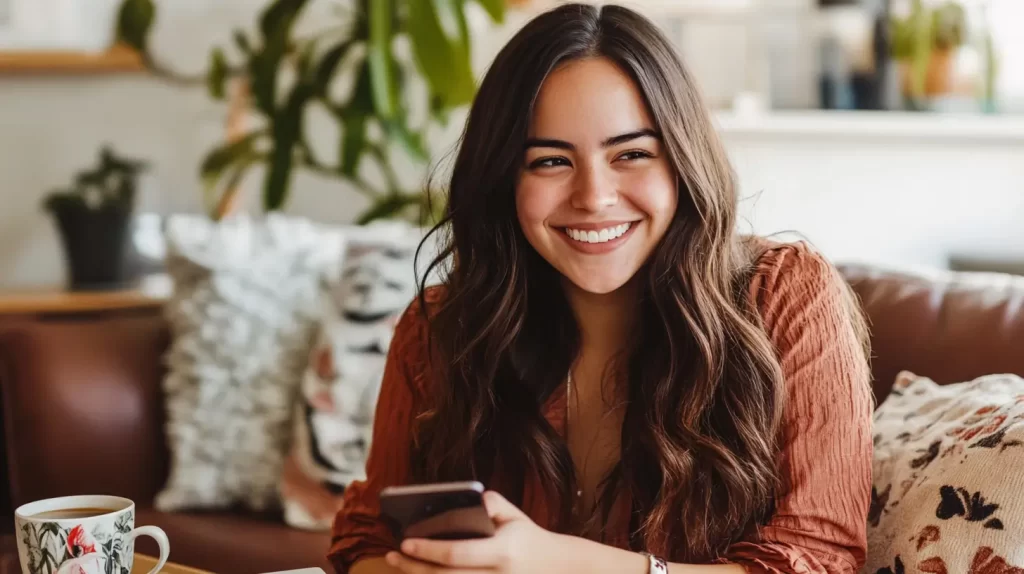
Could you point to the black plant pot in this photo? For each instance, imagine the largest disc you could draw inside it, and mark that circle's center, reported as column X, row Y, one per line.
column 95, row 245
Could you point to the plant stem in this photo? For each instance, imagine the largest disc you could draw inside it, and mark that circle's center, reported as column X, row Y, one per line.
column 313, row 164
column 164, row 73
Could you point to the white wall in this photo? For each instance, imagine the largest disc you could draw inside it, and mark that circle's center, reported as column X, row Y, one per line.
column 877, row 197
column 892, row 188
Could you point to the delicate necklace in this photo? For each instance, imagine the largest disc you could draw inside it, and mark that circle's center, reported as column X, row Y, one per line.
column 568, row 411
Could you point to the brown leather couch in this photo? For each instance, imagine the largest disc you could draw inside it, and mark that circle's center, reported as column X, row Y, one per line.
column 83, row 411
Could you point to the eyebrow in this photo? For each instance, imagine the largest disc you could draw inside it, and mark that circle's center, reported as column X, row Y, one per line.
column 612, row 141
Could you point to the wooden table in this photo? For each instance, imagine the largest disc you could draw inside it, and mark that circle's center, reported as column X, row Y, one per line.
column 143, row 564
column 150, row 294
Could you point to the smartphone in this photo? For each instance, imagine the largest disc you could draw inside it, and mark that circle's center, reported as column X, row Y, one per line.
column 443, row 511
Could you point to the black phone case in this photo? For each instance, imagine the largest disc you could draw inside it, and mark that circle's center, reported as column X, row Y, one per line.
column 455, row 515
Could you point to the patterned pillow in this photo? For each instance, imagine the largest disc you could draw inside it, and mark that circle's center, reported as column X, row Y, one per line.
column 247, row 297
column 946, row 494
column 334, row 416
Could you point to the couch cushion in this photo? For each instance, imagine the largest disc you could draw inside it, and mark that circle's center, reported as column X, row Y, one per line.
column 939, row 501
column 947, row 326
column 246, row 300
column 234, row 543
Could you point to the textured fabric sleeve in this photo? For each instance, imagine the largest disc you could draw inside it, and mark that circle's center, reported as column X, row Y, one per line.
column 358, row 530
column 820, row 520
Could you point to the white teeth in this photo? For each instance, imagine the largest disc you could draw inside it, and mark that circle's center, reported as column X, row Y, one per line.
column 601, row 236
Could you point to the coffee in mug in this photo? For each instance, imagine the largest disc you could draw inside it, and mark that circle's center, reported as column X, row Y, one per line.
column 92, row 534
column 72, row 513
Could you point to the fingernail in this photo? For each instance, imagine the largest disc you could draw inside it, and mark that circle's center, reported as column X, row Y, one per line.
column 408, row 547
column 391, row 558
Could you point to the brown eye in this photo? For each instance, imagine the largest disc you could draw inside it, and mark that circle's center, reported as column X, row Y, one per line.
column 549, row 162
column 635, row 155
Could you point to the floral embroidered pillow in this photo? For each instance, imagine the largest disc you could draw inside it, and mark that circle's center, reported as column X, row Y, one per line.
column 947, row 488
column 333, row 420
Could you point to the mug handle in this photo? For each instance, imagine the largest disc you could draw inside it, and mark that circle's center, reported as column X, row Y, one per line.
column 156, row 533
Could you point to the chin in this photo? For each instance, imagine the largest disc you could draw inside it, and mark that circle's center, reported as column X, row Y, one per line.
column 598, row 285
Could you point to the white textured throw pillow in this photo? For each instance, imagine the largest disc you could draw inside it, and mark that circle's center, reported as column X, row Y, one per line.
column 948, row 487
column 247, row 296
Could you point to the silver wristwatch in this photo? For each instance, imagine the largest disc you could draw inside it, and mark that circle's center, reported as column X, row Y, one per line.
column 655, row 565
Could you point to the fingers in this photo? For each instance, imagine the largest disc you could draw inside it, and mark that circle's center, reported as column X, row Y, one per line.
column 500, row 509
column 479, row 553
column 407, row 565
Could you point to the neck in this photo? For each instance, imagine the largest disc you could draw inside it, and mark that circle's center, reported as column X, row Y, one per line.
column 605, row 320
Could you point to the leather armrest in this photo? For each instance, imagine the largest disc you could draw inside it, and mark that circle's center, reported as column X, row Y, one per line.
column 83, row 409
column 947, row 326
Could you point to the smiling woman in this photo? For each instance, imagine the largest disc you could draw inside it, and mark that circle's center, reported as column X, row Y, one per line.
column 604, row 186
column 631, row 379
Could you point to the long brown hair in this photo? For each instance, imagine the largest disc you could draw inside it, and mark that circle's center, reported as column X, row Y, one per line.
column 698, row 445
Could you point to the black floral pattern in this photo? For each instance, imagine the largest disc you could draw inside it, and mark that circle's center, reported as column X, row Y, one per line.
column 897, row 568
column 996, row 440
column 927, row 457
column 878, row 503
column 972, row 507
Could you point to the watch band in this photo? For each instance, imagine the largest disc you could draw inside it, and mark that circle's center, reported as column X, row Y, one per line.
column 655, row 565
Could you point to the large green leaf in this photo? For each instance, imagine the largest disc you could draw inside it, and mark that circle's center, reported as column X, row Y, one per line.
column 495, row 8
column 287, row 131
column 217, row 75
column 134, row 20
column 440, row 46
column 242, row 41
column 353, row 142
column 304, row 64
column 354, row 116
column 362, row 93
column 328, row 65
column 275, row 24
column 263, row 82
column 382, row 74
column 465, row 89
column 389, row 206
column 225, row 155
column 278, row 16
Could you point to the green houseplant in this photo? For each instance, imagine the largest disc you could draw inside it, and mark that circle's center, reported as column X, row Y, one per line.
column 924, row 41
column 288, row 75
column 93, row 216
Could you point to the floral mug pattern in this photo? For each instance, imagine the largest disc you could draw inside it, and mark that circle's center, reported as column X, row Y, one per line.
column 100, row 544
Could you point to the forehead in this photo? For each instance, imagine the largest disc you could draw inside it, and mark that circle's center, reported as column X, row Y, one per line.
column 587, row 101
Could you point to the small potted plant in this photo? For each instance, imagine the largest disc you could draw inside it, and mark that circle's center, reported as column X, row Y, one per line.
column 93, row 217
column 924, row 41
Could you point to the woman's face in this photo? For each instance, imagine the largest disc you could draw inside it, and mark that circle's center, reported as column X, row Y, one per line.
column 596, row 191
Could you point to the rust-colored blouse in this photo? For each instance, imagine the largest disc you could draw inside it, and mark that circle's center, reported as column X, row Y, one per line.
column 819, row 524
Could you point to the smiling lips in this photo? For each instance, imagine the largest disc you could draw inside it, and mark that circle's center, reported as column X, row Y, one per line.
column 598, row 239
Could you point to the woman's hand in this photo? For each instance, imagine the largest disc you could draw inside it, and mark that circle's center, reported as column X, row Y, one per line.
column 518, row 547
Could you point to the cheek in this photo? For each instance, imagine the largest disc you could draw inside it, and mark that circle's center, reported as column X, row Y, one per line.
column 655, row 193
column 535, row 203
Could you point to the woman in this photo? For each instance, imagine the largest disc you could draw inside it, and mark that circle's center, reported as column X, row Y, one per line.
column 622, row 370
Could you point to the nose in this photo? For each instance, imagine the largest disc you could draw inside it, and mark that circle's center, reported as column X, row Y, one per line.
column 595, row 190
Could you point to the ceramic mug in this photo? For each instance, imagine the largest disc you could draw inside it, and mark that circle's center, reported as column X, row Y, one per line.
column 81, row 535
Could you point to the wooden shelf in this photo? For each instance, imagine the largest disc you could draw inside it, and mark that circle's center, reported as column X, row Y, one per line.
column 152, row 293
column 119, row 59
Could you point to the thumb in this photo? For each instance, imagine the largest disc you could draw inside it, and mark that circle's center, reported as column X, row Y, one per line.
column 500, row 509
